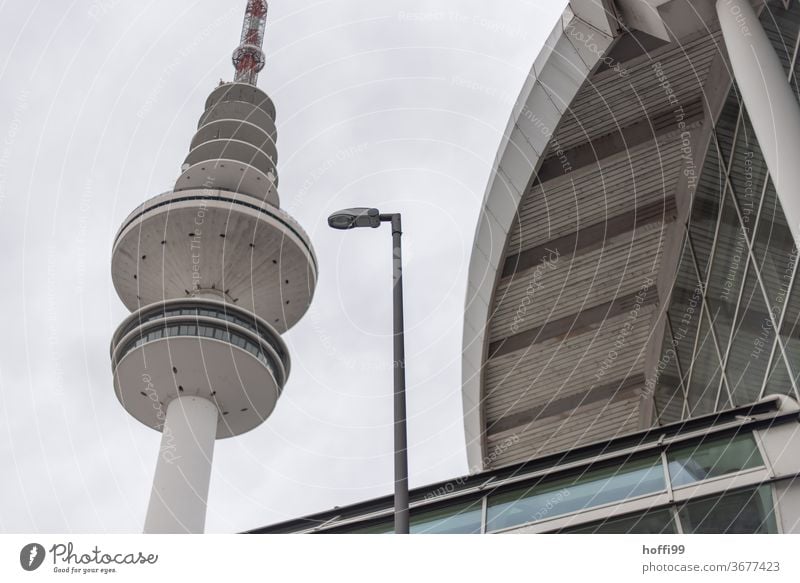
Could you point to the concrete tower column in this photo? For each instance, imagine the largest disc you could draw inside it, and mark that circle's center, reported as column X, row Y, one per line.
column 183, row 472
column 769, row 99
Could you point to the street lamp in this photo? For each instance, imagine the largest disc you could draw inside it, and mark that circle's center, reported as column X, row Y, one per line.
column 369, row 217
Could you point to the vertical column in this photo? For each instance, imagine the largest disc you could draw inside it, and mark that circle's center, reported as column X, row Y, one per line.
column 183, row 472
column 770, row 101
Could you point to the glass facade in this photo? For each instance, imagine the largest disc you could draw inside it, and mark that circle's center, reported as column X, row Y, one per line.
column 712, row 459
column 744, row 512
column 594, row 487
column 732, row 333
column 463, row 519
column 748, row 511
column 650, row 522
column 609, row 484
column 459, row 518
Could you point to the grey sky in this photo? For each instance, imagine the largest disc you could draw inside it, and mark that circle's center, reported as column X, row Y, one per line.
column 398, row 105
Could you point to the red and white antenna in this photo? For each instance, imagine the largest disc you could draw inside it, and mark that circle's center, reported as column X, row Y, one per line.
column 248, row 58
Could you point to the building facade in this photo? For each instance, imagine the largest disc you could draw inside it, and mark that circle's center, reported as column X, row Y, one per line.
column 630, row 353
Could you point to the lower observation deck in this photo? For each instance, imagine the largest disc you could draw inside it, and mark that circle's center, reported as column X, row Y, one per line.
column 199, row 347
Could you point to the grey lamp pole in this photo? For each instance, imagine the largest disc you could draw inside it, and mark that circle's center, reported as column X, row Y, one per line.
column 370, row 217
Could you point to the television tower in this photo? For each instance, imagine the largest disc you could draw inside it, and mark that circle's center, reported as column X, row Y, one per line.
column 213, row 272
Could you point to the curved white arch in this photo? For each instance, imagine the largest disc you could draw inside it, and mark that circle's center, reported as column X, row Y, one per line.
column 570, row 53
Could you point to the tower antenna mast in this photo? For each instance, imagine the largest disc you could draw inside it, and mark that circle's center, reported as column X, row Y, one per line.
column 248, row 58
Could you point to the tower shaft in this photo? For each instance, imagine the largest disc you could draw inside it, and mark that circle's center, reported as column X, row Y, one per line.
column 183, row 471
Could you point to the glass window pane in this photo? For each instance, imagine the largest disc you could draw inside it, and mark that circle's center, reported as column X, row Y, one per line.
column 461, row 519
column 653, row 522
column 383, row 527
column 727, row 273
column 712, row 458
column 743, row 512
column 752, row 344
column 705, row 207
column 704, row 385
column 748, row 171
column 726, row 126
column 669, row 395
column 774, row 250
column 779, row 381
column 790, row 334
column 781, row 28
column 592, row 488
column 685, row 311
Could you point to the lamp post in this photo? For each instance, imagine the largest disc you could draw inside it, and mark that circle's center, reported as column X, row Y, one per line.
column 369, row 217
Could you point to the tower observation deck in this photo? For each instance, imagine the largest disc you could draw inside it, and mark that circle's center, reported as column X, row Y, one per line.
column 213, row 272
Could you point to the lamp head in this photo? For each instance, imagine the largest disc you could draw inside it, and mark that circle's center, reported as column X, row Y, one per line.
column 354, row 218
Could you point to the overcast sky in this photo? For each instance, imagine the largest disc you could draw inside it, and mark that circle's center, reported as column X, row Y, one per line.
column 394, row 104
